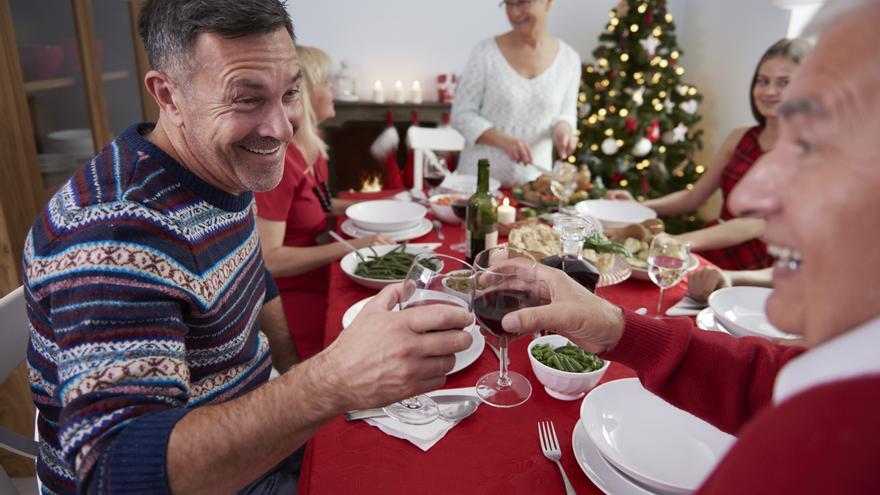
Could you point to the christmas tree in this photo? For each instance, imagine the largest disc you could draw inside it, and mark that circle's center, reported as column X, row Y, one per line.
column 637, row 116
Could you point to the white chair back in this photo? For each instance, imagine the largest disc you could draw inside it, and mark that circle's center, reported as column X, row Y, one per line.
column 14, row 334
column 422, row 139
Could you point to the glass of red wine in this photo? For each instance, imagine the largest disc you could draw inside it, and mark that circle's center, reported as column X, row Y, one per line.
column 432, row 279
column 459, row 209
column 435, row 171
column 505, row 281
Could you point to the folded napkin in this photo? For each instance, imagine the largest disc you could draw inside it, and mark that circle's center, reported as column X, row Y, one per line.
column 686, row 307
column 422, row 436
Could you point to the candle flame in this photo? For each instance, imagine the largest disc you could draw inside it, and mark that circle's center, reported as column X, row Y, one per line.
column 506, row 202
column 378, row 85
column 398, row 84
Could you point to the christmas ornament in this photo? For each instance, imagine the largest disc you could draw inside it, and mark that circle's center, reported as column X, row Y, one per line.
column 653, row 133
column 623, row 166
column 642, row 147
column 584, row 109
column 679, row 133
column 631, row 124
column 682, row 90
column 649, row 18
column 646, row 186
column 639, row 96
column 689, row 106
column 650, row 44
column 668, row 137
column 669, row 105
column 609, row 146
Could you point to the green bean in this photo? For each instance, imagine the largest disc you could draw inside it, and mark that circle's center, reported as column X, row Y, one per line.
column 569, row 358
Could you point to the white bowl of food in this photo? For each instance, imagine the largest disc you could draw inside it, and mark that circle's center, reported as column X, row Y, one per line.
column 363, row 269
column 385, row 215
column 615, row 213
column 558, row 378
column 441, row 206
column 458, row 283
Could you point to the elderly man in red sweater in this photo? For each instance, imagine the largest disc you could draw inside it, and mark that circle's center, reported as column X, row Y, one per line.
column 807, row 419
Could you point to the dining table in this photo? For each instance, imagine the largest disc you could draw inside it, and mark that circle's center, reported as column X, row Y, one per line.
column 494, row 451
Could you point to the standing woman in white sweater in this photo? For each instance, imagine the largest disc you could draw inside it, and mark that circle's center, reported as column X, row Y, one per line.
column 517, row 97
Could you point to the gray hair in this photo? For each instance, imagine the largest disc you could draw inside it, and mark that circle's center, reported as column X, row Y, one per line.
column 832, row 11
column 169, row 28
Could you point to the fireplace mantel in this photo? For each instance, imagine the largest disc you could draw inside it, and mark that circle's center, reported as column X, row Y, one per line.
column 367, row 111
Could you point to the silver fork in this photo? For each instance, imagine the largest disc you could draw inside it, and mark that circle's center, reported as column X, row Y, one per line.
column 551, row 450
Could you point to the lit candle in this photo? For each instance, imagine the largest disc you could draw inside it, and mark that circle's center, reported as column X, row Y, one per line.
column 378, row 92
column 399, row 95
column 506, row 213
column 416, row 92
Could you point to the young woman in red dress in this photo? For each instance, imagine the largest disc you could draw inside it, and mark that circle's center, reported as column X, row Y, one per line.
column 292, row 218
column 729, row 242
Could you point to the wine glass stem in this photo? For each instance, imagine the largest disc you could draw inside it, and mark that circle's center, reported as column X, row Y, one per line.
column 660, row 301
column 503, row 375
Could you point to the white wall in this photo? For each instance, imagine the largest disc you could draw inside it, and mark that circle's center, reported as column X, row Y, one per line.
column 417, row 39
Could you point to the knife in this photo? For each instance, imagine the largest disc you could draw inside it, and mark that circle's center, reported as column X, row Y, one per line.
column 425, row 245
column 379, row 413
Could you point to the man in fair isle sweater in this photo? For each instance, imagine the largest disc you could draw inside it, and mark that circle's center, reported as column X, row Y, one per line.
column 806, row 418
column 147, row 293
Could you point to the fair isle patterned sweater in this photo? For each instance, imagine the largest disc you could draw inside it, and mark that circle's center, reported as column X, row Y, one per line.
column 143, row 286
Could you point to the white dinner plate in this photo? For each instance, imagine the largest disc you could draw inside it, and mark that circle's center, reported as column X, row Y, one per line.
column 423, row 227
column 465, row 183
column 657, row 444
column 642, row 273
column 385, row 215
column 741, row 311
column 463, row 359
column 615, row 213
column 603, row 475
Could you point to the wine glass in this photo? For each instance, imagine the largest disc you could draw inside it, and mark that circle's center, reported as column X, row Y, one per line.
column 667, row 263
column 459, row 209
column 435, row 171
column 563, row 181
column 426, row 283
column 495, row 291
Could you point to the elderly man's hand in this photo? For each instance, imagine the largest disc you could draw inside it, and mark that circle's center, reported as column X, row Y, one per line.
column 571, row 310
column 385, row 356
column 705, row 281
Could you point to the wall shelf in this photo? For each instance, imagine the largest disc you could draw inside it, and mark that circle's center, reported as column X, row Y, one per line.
column 64, row 82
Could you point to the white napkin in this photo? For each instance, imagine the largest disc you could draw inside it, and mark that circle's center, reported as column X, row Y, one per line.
column 422, row 436
column 686, row 307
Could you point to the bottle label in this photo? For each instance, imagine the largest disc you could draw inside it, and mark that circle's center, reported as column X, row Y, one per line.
column 491, row 239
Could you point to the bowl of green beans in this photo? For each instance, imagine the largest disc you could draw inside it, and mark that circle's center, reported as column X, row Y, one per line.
column 566, row 371
column 377, row 266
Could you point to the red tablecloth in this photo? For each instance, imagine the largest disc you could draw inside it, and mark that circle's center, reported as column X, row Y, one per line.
column 494, row 451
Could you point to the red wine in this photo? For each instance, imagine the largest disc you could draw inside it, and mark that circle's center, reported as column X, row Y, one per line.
column 581, row 271
column 459, row 208
column 434, row 181
column 491, row 306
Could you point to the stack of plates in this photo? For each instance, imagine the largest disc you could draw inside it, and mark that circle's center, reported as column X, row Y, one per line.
column 740, row 312
column 397, row 220
column 631, row 442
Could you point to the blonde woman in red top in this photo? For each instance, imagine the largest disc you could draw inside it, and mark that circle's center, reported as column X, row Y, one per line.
column 293, row 217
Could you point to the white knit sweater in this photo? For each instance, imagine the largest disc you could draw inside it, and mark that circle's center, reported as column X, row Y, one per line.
column 492, row 94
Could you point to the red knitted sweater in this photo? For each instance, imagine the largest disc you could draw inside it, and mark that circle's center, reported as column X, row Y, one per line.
column 825, row 440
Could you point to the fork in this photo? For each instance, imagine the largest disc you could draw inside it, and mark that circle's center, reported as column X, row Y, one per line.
column 551, row 450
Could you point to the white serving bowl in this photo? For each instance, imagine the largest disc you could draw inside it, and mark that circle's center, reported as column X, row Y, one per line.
column 350, row 261
column 385, row 215
column 444, row 212
column 615, row 213
column 563, row 385
column 741, row 311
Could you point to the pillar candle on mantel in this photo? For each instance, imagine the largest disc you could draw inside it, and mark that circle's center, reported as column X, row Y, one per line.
column 506, row 213
column 378, row 93
column 399, row 95
column 416, row 92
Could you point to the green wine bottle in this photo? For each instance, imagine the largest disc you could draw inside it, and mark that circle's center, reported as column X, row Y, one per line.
column 482, row 218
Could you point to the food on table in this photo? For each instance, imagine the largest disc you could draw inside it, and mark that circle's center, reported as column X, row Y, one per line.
column 392, row 265
column 447, row 200
column 459, row 281
column 636, row 238
column 539, row 194
column 541, row 241
column 569, row 358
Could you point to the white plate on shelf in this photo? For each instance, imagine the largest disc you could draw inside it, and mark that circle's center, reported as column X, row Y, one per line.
column 660, row 446
column 603, row 475
column 385, row 215
column 642, row 273
column 615, row 213
column 463, row 359
column 741, row 311
column 423, row 227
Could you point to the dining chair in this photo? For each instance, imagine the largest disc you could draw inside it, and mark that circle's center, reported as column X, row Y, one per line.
column 424, row 140
column 14, row 334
